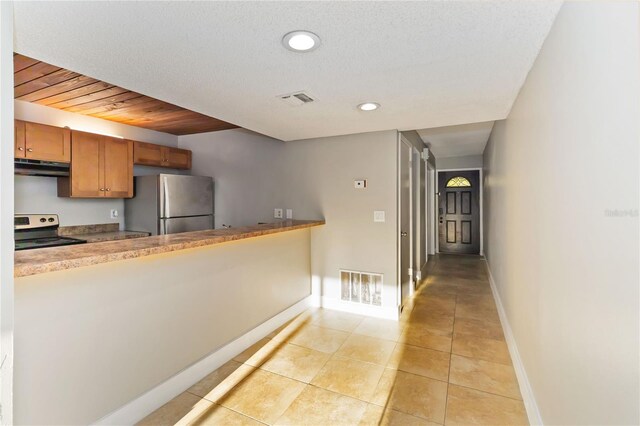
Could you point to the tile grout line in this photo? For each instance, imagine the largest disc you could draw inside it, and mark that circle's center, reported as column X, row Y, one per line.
column 446, row 399
column 488, row 393
column 216, row 404
column 334, row 355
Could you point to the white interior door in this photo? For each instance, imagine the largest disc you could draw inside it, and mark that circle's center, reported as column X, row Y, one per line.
column 405, row 222
column 416, row 212
column 431, row 210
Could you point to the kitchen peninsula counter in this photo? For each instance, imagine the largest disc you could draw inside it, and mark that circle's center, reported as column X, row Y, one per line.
column 99, row 232
column 38, row 261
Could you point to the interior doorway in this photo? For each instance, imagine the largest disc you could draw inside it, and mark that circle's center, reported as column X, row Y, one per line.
column 432, row 213
column 459, row 211
column 406, row 231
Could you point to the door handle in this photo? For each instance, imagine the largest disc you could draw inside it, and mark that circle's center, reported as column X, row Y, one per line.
column 30, row 149
column 20, row 148
column 403, row 234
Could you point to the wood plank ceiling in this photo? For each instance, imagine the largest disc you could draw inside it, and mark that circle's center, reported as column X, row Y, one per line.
column 45, row 84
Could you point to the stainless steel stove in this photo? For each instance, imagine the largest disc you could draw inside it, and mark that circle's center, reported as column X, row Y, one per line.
column 33, row 231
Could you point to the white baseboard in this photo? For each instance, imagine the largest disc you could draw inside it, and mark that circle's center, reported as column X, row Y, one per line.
column 360, row 308
column 153, row 399
column 525, row 386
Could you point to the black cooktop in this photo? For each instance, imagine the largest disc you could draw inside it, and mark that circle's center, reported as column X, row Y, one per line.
column 46, row 242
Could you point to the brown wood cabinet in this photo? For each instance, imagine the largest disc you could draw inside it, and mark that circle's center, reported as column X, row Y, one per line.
column 36, row 141
column 177, row 158
column 102, row 166
column 149, row 154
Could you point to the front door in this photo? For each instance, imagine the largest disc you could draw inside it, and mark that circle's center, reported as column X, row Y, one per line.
column 459, row 211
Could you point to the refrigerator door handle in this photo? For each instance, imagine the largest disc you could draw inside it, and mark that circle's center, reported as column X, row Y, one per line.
column 165, row 200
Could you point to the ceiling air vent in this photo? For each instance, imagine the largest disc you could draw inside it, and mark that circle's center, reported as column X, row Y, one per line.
column 297, row 98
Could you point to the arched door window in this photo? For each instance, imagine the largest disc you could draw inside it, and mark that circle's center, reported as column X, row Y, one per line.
column 458, row 182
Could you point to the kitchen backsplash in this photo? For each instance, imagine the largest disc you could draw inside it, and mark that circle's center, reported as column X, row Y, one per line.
column 37, row 194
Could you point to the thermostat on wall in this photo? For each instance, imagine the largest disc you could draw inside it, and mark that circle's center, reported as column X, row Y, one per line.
column 360, row 184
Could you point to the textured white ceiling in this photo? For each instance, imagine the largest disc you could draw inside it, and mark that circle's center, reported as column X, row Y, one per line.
column 457, row 141
column 428, row 63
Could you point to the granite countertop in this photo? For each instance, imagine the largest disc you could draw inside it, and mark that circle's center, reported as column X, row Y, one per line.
column 99, row 232
column 39, row 261
column 97, row 237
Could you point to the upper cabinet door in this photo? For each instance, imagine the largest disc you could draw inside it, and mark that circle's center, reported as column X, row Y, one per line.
column 47, row 143
column 147, row 154
column 118, row 168
column 177, row 158
column 19, row 145
column 87, row 168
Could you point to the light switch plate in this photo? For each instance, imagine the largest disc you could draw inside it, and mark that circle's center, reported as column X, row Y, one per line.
column 277, row 213
column 378, row 216
column 113, row 214
column 289, row 213
column 360, row 184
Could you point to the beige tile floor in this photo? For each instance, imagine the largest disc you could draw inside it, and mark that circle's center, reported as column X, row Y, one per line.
column 444, row 362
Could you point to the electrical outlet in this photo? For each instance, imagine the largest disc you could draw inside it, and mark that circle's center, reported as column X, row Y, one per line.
column 378, row 216
column 289, row 213
column 359, row 184
column 277, row 213
column 114, row 214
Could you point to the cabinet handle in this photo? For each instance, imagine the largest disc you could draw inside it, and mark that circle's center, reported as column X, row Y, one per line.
column 101, row 189
column 20, row 148
column 30, row 149
column 108, row 189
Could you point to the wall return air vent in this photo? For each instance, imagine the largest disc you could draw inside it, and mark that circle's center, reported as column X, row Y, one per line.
column 361, row 287
column 297, row 98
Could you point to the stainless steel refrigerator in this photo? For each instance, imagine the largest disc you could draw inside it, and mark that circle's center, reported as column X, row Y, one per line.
column 168, row 204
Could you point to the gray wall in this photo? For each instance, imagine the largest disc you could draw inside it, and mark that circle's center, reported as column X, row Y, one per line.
column 255, row 174
column 556, row 171
column 463, row 162
column 37, row 194
column 40, row 194
column 248, row 172
column 319, row 177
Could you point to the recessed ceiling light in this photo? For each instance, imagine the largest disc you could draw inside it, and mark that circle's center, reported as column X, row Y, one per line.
column 368, row 106
column 301, row 41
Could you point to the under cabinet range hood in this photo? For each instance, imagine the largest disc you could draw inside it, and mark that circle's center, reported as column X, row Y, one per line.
column 27, row 167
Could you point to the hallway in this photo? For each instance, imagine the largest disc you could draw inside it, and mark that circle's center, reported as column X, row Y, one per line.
column 444, row 362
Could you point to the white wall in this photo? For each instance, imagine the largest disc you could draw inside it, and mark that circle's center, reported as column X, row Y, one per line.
column 6, row 212
column 247, row 170
column 89, row 340
column 39, row 194
column 319, row 176
column 464, row 162
column 565, row 269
